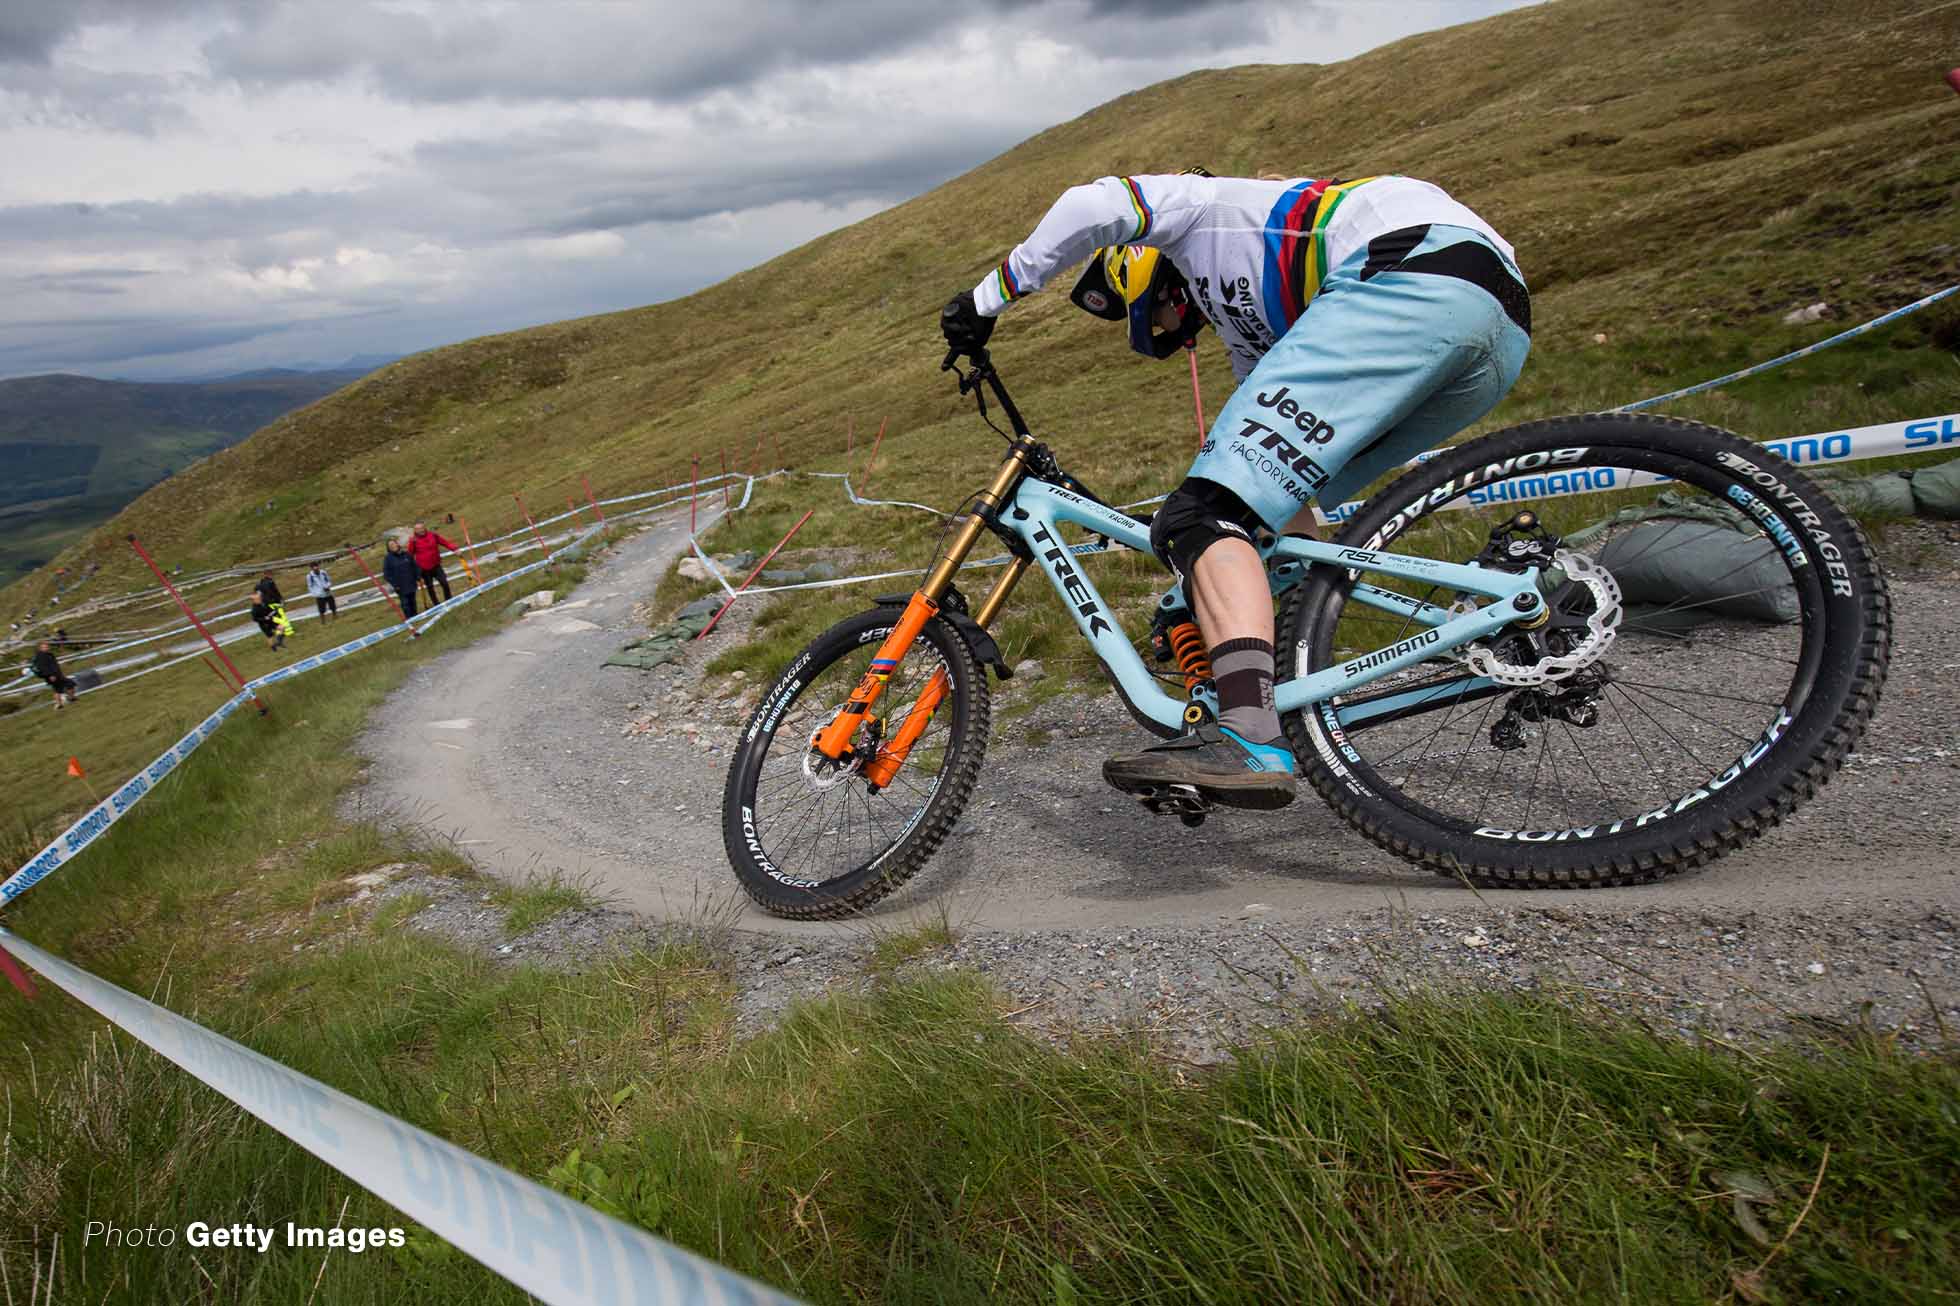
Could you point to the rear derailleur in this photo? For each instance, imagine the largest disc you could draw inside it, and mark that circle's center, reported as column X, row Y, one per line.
column 1575, row 702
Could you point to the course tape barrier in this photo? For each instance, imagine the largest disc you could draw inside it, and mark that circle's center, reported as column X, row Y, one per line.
column 558, row 1250
column 364, row 596
column 1793, row 355
column 152, row 598
column 247, row 568
column 70, row 842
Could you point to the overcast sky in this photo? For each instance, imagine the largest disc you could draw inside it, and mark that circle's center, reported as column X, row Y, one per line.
column 197, row 186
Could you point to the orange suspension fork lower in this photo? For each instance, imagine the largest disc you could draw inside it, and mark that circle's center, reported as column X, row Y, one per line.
column 836, row 737
column 893, row 755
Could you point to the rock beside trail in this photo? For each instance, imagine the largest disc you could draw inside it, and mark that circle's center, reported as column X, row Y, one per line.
column 693, row 568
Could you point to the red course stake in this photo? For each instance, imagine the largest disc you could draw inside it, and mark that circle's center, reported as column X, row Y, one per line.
column 1196, row 401
column 534, row 529
column 872, row 464
column 587, row 486
column 137, row 545
column 15, row 975
column 757, row 572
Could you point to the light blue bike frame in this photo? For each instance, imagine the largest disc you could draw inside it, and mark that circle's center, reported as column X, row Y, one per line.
column 1038, row 509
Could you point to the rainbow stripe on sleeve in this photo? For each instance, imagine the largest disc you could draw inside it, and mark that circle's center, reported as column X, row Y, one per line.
column 1005, row 281
column 1145, row 214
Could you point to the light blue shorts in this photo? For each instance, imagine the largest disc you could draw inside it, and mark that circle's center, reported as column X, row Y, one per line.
column 1376, row 370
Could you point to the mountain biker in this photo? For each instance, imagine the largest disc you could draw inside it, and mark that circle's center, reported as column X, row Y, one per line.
column 1366, row 320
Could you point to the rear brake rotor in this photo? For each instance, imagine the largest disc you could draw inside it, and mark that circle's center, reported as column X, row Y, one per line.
column 1601, row 625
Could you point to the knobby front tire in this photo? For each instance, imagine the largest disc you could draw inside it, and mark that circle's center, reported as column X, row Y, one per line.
column 1710, row 726
column 815, row 842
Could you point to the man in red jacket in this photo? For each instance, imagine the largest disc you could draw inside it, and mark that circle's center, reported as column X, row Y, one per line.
column 425, row 547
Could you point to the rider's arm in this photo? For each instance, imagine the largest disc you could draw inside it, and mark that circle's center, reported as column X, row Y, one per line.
column 1108, row 211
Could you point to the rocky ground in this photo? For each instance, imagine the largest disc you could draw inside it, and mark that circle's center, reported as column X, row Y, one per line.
column 1089, row 913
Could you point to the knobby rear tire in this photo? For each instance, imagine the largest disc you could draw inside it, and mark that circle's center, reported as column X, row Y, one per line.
column 1834, row 712
column 778, row 729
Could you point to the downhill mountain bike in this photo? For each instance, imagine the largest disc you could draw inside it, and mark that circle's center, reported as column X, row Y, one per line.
column 1484, row 703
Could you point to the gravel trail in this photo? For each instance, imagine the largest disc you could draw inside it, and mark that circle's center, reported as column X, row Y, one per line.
column 1091, row 912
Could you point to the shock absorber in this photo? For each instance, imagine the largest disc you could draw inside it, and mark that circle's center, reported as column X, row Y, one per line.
column 1188, row 647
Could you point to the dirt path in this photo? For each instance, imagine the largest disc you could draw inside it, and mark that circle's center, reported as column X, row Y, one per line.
column 516, row 747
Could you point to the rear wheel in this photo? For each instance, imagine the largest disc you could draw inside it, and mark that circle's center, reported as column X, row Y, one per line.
column 813, row 838
column 1669, row 711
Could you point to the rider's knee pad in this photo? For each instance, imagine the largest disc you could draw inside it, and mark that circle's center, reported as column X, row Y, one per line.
column 1198, row 514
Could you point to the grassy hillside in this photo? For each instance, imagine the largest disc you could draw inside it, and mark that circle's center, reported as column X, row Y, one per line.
column 74, row 449
column 1676, row 176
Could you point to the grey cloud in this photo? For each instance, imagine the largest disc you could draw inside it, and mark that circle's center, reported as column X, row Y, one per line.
column 603, row 177
column 93, row 281
column 140, row 223
column 77, row 97
column 671, row 54
column 96, row 342
column 31, row 29
column 566, row 51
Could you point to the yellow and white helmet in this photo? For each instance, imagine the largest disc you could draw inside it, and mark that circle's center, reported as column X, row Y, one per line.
column 1129, row 282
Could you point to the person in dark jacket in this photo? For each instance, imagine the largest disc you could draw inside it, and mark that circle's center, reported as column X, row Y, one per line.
column 401, row 574
column 271, row 619
column 48, row 668
column 425, row 546
column 268, row 590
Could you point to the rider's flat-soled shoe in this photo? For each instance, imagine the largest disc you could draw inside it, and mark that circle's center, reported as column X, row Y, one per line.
column 1217, row 763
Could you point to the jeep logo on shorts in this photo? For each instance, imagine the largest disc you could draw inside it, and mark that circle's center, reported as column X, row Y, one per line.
column 1315, row 430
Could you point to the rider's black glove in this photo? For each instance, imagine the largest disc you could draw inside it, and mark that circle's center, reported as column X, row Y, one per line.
column 966, row 328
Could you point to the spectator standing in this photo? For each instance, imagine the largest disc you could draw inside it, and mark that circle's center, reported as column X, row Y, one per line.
column 425, row 546
column 401, row 574
column 48, row 668
column 320, row 586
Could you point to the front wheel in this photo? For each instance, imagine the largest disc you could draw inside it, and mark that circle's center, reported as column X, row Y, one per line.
column 1713, row 644
column 813, row 839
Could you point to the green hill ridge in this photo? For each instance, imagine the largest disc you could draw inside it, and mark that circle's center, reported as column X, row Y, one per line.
column 1675, row 176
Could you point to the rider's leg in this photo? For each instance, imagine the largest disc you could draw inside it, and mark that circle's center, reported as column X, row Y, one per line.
column 1204, row 534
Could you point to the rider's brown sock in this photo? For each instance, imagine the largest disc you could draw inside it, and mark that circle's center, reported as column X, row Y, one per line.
column 1243, row 671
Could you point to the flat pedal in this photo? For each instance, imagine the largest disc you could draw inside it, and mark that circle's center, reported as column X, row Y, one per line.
column 1182, row 801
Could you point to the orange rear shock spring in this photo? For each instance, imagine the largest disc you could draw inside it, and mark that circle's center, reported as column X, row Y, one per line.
column 1188, row 647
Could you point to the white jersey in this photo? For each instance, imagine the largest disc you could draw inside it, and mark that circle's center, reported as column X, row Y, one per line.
column 1253, row 252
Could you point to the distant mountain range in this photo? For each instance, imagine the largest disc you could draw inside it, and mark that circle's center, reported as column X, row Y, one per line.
column 358, row 365
column 75, row 449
